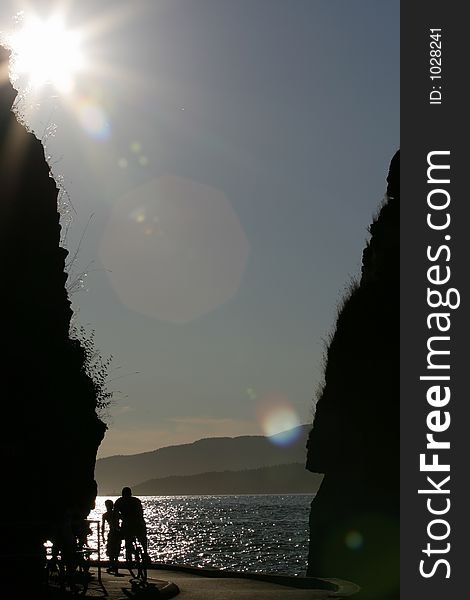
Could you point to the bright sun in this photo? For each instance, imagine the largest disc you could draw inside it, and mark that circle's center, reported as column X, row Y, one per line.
column 46, row 52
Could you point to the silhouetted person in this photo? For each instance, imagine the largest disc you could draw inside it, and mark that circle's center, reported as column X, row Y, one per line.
column 70, row 536
column 67, row 543
column 113, row 545
column 130, row 511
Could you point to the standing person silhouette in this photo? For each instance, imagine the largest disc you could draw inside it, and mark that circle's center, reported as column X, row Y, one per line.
column 130, row 511
column 113, row 545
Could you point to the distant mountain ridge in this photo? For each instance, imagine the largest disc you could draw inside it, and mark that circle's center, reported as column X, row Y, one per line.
column 281, row 479
column 202, row 456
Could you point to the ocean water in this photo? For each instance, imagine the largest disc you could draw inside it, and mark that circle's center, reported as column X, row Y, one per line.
column 264, row 534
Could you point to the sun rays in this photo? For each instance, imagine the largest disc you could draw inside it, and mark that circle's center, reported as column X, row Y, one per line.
column 56, row 57
column 45, row 51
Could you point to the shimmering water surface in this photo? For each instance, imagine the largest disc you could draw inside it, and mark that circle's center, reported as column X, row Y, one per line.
column 266, row 534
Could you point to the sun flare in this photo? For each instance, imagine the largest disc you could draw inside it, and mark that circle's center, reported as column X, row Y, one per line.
column 46, row 52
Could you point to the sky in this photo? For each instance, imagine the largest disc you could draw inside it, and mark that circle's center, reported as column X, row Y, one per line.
column 221, row 161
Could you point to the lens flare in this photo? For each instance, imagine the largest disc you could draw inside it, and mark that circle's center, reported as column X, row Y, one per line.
column 135, row 147
column 93, row 119
column 279, row 420
column 185, row 250
column 251, row 393
column 354, row 540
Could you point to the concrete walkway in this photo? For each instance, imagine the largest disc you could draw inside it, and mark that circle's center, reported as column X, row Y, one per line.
column 209, row 584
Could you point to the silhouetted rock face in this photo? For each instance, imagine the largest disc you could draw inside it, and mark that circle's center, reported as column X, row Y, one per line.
column 355, row 435
column 50, row 432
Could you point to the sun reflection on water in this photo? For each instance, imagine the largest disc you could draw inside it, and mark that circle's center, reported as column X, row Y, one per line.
column 243, row 533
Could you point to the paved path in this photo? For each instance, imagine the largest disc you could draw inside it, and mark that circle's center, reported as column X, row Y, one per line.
column 186, row 585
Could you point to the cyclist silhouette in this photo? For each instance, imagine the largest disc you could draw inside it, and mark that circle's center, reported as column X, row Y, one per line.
column 130, row 511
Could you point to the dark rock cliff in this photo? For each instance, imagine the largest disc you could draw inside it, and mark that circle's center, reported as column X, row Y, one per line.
column 50, row 430
column 355, row 435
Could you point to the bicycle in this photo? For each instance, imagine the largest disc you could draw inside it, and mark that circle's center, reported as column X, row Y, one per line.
column 69, row 561
column 138, row 563
column 72, row 572
column 82, row 575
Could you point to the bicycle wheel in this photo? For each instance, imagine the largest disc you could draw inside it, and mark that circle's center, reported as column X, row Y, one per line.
column 81, row 575
column 141, row 566
column 140, row 581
